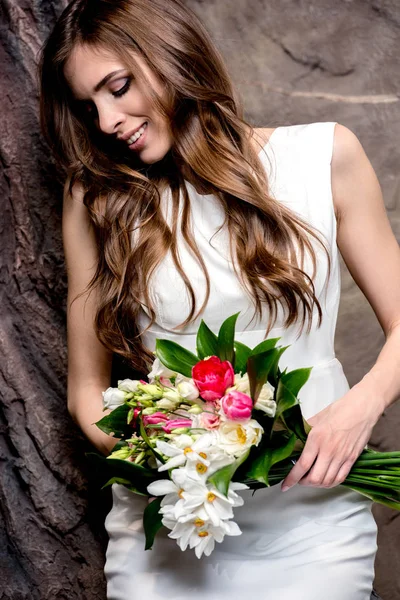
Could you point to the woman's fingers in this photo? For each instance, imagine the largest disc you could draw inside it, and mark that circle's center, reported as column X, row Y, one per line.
column 302, row 466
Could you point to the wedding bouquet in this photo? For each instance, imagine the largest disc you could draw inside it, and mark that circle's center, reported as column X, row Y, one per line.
column 206, row 426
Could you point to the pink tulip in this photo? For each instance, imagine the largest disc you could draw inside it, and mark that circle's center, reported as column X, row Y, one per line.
column 155, row 418
column 212, row 377
column 175, row 423
column 237, row 406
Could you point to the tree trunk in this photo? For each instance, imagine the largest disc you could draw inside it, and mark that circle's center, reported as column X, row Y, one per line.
column 331, row 62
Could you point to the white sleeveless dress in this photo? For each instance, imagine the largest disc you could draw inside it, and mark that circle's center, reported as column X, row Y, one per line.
column 307, row 543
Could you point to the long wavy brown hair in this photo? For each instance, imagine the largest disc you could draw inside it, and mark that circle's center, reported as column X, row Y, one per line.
column 212, row 145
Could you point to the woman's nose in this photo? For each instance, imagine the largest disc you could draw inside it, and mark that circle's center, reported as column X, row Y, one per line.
column 109, row 119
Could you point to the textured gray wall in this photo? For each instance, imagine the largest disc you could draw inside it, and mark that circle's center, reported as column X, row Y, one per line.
column 294, row 62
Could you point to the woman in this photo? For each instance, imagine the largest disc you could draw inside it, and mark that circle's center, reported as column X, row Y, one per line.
column 176, row 209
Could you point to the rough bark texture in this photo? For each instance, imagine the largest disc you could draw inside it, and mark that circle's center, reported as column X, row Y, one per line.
column 303, row 61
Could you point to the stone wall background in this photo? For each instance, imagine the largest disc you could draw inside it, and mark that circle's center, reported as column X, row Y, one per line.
column 294, row 62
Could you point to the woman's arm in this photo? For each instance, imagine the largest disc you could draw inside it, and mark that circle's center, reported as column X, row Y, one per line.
column 372, row 255
column 89, row 362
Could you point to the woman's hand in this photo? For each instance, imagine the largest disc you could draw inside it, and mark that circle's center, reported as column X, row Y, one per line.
column 339, row 434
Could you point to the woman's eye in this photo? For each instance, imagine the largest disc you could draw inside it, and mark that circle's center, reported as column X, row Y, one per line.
column 122, row 90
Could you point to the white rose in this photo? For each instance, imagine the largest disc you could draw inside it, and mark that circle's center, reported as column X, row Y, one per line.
column 112, row 398
column 159, row 370
column 241, row 383
column 128, row 385
column 265, row 400
column 188, row 390
column 235, row 437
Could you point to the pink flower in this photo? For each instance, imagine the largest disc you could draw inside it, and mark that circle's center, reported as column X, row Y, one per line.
column 155, row 418
column 136, row 411
column 166, row 381
column 208, row 420
column 212, row 377
column 175, row 423
column 237, row 406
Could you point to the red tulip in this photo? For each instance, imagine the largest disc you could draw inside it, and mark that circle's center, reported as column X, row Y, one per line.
column 212, row 377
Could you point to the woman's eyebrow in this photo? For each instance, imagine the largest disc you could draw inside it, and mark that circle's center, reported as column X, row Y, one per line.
column 106, row 78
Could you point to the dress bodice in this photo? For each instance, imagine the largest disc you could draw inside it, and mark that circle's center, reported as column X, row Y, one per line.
column 297, row 160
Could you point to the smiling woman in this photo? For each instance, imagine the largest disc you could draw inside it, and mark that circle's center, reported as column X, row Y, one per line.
column 175, row 209
column 114, row 100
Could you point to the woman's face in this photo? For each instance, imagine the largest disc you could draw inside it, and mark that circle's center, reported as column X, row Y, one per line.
column 118, row 106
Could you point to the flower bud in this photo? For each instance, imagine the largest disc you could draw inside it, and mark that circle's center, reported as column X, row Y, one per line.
column 195, row 410
column 166, row 404
column 122, row 453
column 150, row 390
column 150, row 410
column 172, row 394
column 128, row 385
column 112, row 398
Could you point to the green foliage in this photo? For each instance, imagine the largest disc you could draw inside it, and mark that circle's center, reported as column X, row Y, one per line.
column 223, row 477
column 226, row 336
column 269, row 456
column 103, row 469
column 206, row 342
column 116, row 421
column 152, row 521
column 176, row 358
column 242, row 353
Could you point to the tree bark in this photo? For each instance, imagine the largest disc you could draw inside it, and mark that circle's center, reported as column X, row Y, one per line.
column 331, row 62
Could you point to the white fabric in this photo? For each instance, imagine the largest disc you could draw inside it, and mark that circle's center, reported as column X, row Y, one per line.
column 307, row 543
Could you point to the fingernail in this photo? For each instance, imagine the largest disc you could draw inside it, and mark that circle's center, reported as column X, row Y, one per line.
column 285, row 488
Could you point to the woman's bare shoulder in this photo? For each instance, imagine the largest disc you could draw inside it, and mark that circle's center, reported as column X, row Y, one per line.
column 262, row 135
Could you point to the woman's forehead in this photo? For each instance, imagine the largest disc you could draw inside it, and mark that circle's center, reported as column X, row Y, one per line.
column 87, row 66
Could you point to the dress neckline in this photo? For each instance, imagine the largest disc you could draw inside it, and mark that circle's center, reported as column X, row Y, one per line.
column 263, row 149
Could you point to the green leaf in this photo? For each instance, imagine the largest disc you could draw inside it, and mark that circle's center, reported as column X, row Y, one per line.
column 285, row 399
column 146, row 439
column 222, row 478
column 295, row 422
column 294, row 380
column 265, row 345
column 274, row 372
column 242, row 353
column 258, row 368
column 102, row 469
column 384, row 499
column 175, row 357
column 261, row 465
column 152, row 521
column 206, row 341
column 116, row 421
column 226, row 336
column 120, row 480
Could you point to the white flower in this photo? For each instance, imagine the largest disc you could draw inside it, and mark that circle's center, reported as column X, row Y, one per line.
column 241, row 383
column 206, row 501
column 128, row 385
column 166, row 404
column 112, row 398
column 167, row 488
column 182, row 448
column 159, row 370
column 187, row 390
column 235, row 437
column 200, row 534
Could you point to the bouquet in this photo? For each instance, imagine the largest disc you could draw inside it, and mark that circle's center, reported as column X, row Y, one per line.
column 206, row 426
